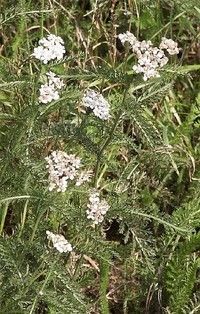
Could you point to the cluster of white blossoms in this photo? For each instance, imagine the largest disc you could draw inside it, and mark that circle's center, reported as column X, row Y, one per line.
column 63, row 168
column 150, row 58
column 55, row 80
column 128, row 37
column 170, row 45
column 50, row 48
column 96, row 102
column 149, row 61
column 59, row 242
column 49, row 90
column 96, row 208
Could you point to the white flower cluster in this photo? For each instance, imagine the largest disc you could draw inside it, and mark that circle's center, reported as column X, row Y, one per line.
column 59, row 242
column 96, row 208
column 97, row 103
column 128, row 37
column 49, row 91
column 150, row 58
column 54, row 80
column 149, row 61
column 50, row 48
column 62, row 168
column 170, row 45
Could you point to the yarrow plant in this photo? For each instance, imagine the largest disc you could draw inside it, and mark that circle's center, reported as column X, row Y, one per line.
column 50, row 48
column 96, row 102
column 150, row 58
column 97, row 208
column 121, row 158
column 59, row 242
column 49, row 90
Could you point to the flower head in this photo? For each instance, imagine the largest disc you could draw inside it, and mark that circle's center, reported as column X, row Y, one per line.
column 50, row 48
column 59, row 242
column 62, row 168
column 150, row 58
column 49, row 91
column 170, row 45
column 149, row 61
column 97, row 103
column 55, row 80
column 128, row 37
column 96, row 208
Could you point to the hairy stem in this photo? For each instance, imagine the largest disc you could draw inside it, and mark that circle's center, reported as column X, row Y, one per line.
column 3, row 216
column 104, row 283
column 23, row 219
column 43, row 286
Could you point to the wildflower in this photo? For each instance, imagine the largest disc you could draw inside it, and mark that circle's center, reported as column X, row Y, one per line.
column 136, row 45
column 59, row 242
column 49, row 48
column 150, row 58
column 149, row 61
column 96, row 208
column 62, row 168
column 84, row 176
column 48, row 91
column 55, row 80
column 97, row 103
column 170, row 45
column 128, row 37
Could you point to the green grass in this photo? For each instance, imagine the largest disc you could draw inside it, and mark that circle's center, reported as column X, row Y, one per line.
column 144, row 256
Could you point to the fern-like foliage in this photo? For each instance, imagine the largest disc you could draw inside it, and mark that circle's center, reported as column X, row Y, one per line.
column 31, row 283
column 181, row 273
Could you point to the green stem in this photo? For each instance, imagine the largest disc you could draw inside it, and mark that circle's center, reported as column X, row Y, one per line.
column 16, row 198
column 106, row 143
column 104, row 168
column 42, row 20
column 23, row 217
column 3, row 216
column 104, row 283
column 162, row 222
column 36, row 225
column 43, row 286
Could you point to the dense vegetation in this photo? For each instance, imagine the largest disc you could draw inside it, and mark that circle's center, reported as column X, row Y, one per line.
column 145, row 160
